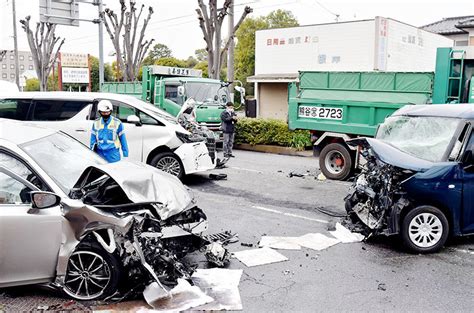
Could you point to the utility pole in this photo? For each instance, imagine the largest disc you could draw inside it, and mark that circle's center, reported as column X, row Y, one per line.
column 230, row 52
column 15, row 42
column 101, row 46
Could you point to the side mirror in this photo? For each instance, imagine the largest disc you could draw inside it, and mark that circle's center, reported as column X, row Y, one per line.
column 44, row 200
column 133, row 119
column 181, row 91
column 242, row 93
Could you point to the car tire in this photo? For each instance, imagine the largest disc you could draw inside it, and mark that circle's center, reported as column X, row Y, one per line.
column 425, row 229
column 336, row 161
column 97, row 269
column 168, row 162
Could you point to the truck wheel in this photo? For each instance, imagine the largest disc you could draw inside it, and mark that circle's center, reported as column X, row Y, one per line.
column 336, row 161
column 168, row 162
column 425, row 229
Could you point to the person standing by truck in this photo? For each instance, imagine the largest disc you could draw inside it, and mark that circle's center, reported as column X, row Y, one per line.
column 228, row 118
column 108, row 134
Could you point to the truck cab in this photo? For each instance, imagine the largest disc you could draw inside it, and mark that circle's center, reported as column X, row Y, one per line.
column 168, row 88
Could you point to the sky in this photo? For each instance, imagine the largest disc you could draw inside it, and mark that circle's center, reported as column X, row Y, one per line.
column 175, row 23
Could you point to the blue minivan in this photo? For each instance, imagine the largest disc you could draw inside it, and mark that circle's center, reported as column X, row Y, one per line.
column 418, row 179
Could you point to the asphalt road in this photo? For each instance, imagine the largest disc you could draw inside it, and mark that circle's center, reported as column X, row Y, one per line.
column 259, row 198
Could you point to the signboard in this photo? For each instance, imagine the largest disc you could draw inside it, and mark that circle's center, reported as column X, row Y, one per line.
column 175, row 71
column 64, row 12
column 75, row 75
column 381, row 35
column 74, row 60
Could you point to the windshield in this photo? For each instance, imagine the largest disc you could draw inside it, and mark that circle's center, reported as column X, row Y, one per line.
column 424, row 137
column 63, row 158
column 152, row 109
column 208, row 93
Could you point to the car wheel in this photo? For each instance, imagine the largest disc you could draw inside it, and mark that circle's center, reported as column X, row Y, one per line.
column 168, row 162
column 425, row 229
column 335, row 161
column 91, row 274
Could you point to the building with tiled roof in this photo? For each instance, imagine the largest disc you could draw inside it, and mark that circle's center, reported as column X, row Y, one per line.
column 458, row 28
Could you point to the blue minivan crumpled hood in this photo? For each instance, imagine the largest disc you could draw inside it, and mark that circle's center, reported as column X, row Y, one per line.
column 391, row 155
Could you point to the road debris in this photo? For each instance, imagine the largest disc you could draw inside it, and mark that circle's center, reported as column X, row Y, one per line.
column 246, row 244
column 220, row 284
column 313, row 241
column 321, row 177
column 259, row 256
column 382, row 287
column 216, row 254
column 345, row 235
column 219, row 176
column 225, row 237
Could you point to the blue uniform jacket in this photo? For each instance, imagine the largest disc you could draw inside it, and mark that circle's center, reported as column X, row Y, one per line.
column 108, row 137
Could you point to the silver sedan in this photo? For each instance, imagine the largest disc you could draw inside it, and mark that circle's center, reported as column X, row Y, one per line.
column 69, row 219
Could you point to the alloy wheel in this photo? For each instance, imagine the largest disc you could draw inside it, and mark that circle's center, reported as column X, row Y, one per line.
column 169, row 165
column 87, row 276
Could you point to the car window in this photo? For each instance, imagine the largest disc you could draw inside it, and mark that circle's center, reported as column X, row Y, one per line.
column 458, row 144
column 12, row 191
column 470, row 143
column 19, row 168
column 16, row 109
column 148, row 120
column 57, row 110
column 122, row 110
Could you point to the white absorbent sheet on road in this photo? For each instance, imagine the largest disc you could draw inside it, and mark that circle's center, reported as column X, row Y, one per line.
column 313, row 241
column 316, row 241
column 282, row 243
column 182, row 297
column 345, row 235
column 260, row 256
column 220, row 284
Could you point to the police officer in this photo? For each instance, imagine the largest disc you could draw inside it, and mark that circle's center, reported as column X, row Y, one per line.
column 108, row 134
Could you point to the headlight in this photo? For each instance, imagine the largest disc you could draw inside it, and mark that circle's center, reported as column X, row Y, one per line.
column 183, row 137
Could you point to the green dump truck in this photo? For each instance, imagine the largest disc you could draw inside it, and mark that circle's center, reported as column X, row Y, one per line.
column 337, row 106
column 169, row 87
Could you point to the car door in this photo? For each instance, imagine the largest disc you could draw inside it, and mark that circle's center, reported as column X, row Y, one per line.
column 70, row 116
column 467, row 219
column 29, row 239
column 133, row 132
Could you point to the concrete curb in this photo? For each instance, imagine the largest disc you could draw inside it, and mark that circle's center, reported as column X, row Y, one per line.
column 273, row 149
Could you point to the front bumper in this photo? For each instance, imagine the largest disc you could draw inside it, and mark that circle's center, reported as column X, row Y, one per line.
column 195, row 157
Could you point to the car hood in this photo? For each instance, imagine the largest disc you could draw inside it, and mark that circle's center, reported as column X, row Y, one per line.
column 391, row 155
column 142, row 183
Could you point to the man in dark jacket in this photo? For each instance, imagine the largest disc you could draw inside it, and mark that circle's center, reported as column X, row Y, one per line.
column 229, row 118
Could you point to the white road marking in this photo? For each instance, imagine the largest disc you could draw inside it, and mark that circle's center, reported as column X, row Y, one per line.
column 245, row 169
column 290, row 214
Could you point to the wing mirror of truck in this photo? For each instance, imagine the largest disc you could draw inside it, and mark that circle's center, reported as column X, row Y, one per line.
column 133, row 119
column 241, row 90
column 467, row 160
column 181, row 91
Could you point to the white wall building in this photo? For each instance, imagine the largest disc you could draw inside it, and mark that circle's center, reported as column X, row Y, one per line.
column 380, row 44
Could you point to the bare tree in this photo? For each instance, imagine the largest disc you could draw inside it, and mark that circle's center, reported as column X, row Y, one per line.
column 210, row 21
column 42, row 44
column 130, row 47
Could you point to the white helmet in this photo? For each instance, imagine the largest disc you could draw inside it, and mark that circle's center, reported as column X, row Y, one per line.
column 104, row 106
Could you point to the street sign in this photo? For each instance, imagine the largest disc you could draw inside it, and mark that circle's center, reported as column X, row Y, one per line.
column 74, row 59
column 75, row 75
column 63, row 12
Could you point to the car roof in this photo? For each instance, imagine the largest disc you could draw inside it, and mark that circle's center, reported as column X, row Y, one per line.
column 64, row 95
column 19, row 132
column 458, row 110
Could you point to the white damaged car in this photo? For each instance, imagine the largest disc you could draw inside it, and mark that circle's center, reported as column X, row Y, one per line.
column 154, row 136
column 92, row 229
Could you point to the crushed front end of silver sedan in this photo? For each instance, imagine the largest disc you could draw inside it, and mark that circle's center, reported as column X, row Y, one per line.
column 145, row 221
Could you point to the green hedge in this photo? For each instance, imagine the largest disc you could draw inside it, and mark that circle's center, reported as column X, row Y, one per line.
column 257, row 131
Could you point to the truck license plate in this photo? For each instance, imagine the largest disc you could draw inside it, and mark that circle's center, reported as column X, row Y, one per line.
column 320, row 112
